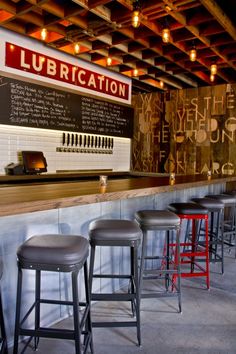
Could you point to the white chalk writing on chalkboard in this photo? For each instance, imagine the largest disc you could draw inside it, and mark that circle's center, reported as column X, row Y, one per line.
column 28, row 104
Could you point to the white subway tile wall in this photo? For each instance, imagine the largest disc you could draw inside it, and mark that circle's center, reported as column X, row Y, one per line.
column 14, row 139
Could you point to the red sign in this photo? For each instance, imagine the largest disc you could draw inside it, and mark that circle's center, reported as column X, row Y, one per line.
column 36, row 63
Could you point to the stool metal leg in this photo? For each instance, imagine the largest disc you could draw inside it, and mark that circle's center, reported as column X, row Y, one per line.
column 18, row 307
column 132, row 279
column 37, row 305
column 3, row 343
column 91, row 267
column 134, row 261
column 75, row 297
column 177, row 261
column 143, row 255
column 88, row 321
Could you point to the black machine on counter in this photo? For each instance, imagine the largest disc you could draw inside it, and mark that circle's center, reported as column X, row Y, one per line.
column 30, row 162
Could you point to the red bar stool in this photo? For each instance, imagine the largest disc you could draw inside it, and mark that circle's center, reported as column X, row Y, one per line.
column 191, row 252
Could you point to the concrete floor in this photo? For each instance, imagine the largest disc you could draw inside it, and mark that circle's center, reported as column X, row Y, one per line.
column 207, row 324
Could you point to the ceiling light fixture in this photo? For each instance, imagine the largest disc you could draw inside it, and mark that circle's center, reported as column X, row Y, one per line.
column 165, row 34
column 76, row 48
column 136, row 14
column 44, row 34
column 213, row 69
column 212, row 77
column 135, row 72
column 193, row 54
column 161, row 84
column 109, row 61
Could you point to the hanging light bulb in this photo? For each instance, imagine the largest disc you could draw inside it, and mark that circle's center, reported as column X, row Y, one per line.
column 76, row 48
column 136, row 20
column 109, row 61
column 193, row 54
column 44, row 34
column 136, row 14
column 213, row 69
column 165, row 35
column 135, row 72
column 212, row 77
column 161, row 83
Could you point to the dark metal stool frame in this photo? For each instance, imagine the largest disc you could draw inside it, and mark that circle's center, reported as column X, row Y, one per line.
column 194, row 254
column 133, row 295
column 229, row 219
column 3, row 339
column 167, row 258
column 216, row 237
column 82, row 326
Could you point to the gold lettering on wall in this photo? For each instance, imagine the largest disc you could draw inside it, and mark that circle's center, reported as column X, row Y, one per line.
column 191, row 132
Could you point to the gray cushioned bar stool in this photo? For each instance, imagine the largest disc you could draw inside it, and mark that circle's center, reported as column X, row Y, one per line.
column 3, row 338
column 191, row 252
column 123, row 233
column 229, row 224
column 216, row 238
column 55, row 253
column 169, row 267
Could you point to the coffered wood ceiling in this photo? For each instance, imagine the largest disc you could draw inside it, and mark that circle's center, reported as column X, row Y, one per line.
column 103, row 28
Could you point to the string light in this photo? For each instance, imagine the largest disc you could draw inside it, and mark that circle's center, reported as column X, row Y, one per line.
column 213, row 69
column 76, row 48
column 136, row 19
column 212, row 77
column 109, row 61
column 136, row 14
column 44, row 34
column 193, row 54
column 165, row 35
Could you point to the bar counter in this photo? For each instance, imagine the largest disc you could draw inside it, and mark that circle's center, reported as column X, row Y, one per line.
column 38, row 196
column 68, row 207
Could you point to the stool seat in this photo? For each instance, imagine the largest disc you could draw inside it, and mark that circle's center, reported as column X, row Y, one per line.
column 53, row 250
column 224, row 198
column 209, row 203
column 157, row 219
column 113, row 230
column 233, row 193
column 187, row 209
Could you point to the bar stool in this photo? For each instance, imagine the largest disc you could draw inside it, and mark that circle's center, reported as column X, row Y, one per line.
column 3, row 338
column 123, row 233
column 216, row 238
column 55, row 253
column 160, row 220
column 229, row 224
column 192, row 253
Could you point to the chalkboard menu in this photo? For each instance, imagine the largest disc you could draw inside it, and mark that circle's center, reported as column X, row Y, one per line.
column 30, row 105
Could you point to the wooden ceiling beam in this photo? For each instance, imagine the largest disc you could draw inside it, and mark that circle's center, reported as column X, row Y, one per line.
column 220, row 16
column 7, row 6
column 195, row 30
column 94, row 3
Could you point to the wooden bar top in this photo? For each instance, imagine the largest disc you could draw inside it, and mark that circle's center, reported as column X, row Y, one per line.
column 26, row 198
